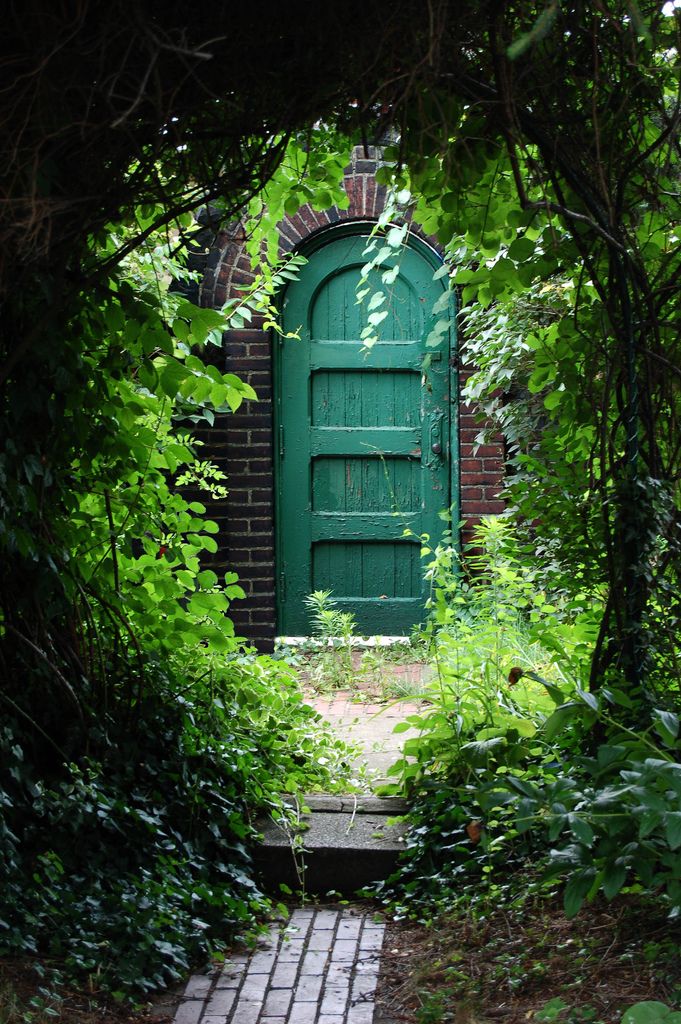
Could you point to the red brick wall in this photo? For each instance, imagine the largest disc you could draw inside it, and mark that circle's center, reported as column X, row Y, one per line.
column 246, row 537
column 242, row 443
column 481, row 468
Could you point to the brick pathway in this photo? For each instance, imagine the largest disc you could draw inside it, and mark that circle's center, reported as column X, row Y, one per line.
column 321, row 967
column 369, row 726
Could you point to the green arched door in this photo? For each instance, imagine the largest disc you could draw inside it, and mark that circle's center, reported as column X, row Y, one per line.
column 365, row 440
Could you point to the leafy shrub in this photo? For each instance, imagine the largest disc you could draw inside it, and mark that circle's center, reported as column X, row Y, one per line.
column 138, row 736
column 614, row 817
column 535, row 768
column 481, row 627
column 131, row 867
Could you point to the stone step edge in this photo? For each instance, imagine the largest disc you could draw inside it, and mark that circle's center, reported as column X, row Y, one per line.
column 390, row 806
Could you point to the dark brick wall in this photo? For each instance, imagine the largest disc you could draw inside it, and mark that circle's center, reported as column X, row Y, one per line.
column 246, row 536
column 481, row 469
column 242, row 443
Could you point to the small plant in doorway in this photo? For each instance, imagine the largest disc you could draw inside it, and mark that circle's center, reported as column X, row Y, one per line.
column 336, row 629
column 337, row 657
column 329, row 623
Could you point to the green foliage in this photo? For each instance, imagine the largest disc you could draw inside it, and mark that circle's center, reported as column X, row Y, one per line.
column 561, row 228
column 614, row 817
column 335, row 629
column 603, row 823
column 481, row 627
column 272, row 276
column 543, row 152
column 123, row 554
column 130, row 868
column 534, row 768
column 328, row 622
column 492, row 608
column 142, row 737
column 529, row 361
column 310, row 173
column 558, row 1010
column 387, row 241
column 546, row 414
column 651, row 1012
column 139, row 736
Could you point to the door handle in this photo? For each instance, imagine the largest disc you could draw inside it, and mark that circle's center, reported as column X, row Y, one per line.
column 436, row 434
column 435, row 439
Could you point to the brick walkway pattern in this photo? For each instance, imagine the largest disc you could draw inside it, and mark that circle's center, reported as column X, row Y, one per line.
column 370, row 727
column 321, row 967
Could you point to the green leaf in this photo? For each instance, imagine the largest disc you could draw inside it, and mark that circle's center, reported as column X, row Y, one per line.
column 207, row 579
column 666, row 725
column 648, row 823
column 234, row 399
column 553, row 399
column 396, row 236
column 581, row 829
column 526, row 816
column 672, row 823
column 588, row 698
column 205, row 320
column 551, row 1011
column 180, row 329
column 650, row 1012
column 480, row 751
column 556, row 695
column 613, row 879
column 576, row 891
column 443, row 302
column 608, row 755
column 522, row 249
column 556, row 722
column 172, row 375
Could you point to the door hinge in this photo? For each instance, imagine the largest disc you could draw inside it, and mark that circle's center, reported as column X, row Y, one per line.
column 281, row 441
column 282, row 586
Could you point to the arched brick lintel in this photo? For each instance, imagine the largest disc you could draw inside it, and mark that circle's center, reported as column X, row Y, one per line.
column 243, row 442
column 230, row 267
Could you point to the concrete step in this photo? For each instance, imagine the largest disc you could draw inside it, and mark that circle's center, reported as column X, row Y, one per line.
column 338, row 844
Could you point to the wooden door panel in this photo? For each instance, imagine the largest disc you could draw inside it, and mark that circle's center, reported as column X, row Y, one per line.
column 357, row 430
column 368, row 398
column 334, row 313
column 366, row 485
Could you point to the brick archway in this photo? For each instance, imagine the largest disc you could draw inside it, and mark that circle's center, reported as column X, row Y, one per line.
column 242, row 443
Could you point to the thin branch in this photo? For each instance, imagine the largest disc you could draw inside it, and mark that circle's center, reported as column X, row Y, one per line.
column 36, row 726
column 53, row 668
column 581, row 218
